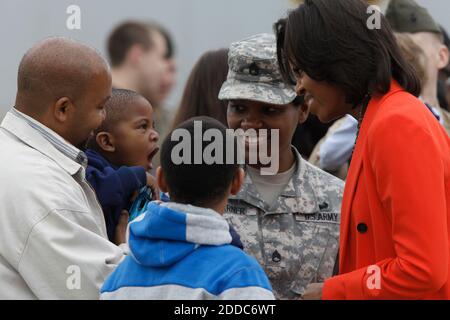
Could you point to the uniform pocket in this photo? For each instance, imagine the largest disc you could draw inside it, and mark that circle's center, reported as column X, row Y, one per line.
column 245, row 222
column 318, row 245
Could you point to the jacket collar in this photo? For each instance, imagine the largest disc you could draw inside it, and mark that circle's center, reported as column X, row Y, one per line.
column 97, row 160
column 168, row 232
column 297, row 196
column 44, row 140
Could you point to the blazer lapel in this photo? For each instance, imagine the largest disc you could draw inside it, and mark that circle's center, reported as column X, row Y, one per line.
column 352, row 179
column 355, row 169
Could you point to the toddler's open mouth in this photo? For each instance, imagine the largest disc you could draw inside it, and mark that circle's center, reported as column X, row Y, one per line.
column 150, row 157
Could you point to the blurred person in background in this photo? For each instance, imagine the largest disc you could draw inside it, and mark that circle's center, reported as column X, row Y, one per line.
column 406, row 16
column 308, row 134
column 169, row 77
column 444, row 77
column 201, row 93
column 137, row 52
column 142, row 59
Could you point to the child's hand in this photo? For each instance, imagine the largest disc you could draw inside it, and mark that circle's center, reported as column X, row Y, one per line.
column 134, row 196
column 120, row 236
column 151, row 183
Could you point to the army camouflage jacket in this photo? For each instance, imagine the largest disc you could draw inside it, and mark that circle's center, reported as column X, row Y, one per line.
column 296, row 239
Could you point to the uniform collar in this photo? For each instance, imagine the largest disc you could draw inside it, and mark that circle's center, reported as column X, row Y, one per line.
column 44, row 140
column 297, row 196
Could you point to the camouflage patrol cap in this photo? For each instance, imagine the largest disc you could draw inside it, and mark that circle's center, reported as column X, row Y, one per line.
column 408, row 16
column 254, row 73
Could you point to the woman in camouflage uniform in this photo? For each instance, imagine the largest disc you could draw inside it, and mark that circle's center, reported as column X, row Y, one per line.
column 289, row 220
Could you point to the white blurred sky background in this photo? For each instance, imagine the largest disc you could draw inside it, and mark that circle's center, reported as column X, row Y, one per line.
column 196, row 26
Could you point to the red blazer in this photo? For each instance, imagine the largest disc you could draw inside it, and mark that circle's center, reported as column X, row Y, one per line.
column 396, row 206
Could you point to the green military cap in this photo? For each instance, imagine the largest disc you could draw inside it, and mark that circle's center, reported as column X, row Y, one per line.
column 408, row 16
column 254, row 72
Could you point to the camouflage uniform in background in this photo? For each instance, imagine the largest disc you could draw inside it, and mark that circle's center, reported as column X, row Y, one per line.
column 296, row 238
column 407, row 16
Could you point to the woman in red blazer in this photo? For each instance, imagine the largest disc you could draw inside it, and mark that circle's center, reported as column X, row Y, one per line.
column 395, row 217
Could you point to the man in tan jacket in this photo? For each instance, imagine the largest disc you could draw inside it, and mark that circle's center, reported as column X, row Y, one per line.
column 53, row 242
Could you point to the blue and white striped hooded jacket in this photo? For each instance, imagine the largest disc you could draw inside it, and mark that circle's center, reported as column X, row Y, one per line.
column 183, row 252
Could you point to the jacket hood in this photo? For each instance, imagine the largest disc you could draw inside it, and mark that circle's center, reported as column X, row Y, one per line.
column 168, row 232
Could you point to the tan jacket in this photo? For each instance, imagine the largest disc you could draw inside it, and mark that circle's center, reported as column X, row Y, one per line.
column 53, row 242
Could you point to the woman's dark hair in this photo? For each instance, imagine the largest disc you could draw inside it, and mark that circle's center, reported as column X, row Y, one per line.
column 201, row 94
column 331, row 41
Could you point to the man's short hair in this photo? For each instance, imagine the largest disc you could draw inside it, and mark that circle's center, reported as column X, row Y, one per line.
column 125, row 36
column 170, row 53
column 198, row 184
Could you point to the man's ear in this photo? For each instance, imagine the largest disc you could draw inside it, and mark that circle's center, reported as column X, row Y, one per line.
column 63, row 109
column 134, row 54
column 162, row 184
column 443, row 57
column 238, row 181
column 303, row 113
column 105, row 141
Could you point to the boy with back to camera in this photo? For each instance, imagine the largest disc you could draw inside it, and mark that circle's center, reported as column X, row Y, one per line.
column 182, row 249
